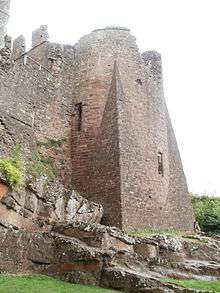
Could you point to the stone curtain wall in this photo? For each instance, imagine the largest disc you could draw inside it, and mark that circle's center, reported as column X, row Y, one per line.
column 36, row 102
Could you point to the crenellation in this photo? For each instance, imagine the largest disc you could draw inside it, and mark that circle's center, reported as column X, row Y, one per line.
column 19, row 47
column 153, row 63
column 39, row 36
column 4, row 17
column 5, row 54
column 55, row 58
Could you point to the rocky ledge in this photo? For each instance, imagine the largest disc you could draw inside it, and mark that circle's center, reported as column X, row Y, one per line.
column 48, row 229
column 86, row 253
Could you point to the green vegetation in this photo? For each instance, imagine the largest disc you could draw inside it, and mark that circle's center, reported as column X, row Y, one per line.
column 51, row 142
column 42, row 284
column 152, row 232
column 213, row 286
column 13, row 167
column 42, row 166
column 207, row 212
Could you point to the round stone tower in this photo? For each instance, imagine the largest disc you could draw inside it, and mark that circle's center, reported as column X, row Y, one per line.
column 4, row 17
column 124, row 151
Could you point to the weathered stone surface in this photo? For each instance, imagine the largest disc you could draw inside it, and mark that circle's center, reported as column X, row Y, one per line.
column 148, row 251
column 97, row 235
column 199, row 267
column 80, row 209
column 41, row 249
column 45, row 203
column 10, row 203
column 131, row 282
column 69, row 255
column 13, row 245
column 168, row 242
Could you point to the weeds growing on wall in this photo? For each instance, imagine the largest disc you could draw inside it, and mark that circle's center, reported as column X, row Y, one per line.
column 42, row 166
column 12, row 167
column 51, row 142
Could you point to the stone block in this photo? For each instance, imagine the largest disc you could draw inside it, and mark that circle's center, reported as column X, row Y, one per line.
column 79, row 209
column 148, row 251
column 94, row 235
column 31, row 202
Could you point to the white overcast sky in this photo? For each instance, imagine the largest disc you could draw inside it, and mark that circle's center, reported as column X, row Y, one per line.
column 185, row 32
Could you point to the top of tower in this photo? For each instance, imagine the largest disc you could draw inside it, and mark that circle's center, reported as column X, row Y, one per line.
column 119, row 28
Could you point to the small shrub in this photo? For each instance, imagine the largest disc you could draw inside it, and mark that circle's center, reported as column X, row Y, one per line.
column 207, row 212
column 13, row 167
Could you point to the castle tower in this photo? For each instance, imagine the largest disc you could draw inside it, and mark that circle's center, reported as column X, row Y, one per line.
column 4, row 17
column 125, row 154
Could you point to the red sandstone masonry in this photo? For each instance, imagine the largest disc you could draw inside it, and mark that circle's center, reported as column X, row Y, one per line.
column 120, row 167
column 111, row 147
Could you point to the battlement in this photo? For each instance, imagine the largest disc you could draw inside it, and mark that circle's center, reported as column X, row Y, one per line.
column 40, row 35
column 153, row 64
column 43, row 54
column 19, row 47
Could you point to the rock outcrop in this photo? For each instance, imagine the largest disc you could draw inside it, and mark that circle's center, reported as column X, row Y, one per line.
column 40, row 204
column 105, row 256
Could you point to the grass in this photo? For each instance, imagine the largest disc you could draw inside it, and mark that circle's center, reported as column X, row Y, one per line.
column 42, row 284
column 152, row 232
column 213, row 286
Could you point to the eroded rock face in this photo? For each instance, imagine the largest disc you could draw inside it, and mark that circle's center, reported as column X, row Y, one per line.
column 46, row 228
column 168, row 242
column 129, row 281
column 44, row 204
column 99, row 255
column 79, row 209
column 96, row 235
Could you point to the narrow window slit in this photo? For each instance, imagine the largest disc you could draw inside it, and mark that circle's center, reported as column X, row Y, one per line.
column 79, row 110
column 160, row 163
